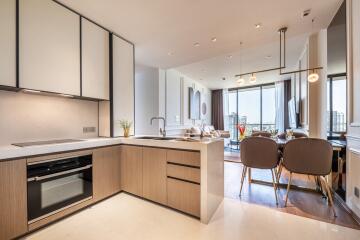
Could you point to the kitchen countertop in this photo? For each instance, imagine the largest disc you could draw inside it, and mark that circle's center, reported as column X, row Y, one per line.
column 14, row 152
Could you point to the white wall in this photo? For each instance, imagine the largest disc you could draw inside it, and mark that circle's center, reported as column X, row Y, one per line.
column 353, row 134
column 29, row 117
column 165, row 93
column 146, row 99
column 177, row 101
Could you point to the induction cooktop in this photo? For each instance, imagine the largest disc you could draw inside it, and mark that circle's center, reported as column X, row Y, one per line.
column 49, row 142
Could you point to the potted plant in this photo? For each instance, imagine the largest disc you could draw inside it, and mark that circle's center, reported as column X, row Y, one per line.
column 126, row 125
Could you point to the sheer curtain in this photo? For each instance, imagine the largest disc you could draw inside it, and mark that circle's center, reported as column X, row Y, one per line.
column 226, row 109
column 279, row 106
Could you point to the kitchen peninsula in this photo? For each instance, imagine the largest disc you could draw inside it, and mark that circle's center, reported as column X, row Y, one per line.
column 182, row 175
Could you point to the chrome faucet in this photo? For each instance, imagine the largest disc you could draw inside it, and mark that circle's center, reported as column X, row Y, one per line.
column 162, row 130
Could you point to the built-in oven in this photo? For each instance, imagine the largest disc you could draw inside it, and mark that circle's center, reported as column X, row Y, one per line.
column 57, row 184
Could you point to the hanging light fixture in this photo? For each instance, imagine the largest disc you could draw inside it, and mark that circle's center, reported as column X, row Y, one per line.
column 252, row 78
column 282, row 32
column 313, row 77
column 240, row 81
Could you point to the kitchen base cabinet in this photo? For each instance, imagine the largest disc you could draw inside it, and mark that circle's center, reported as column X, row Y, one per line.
column 184, row 196
column 106, row 172
column 132, row 169
column 13, row 199
column 154, row 174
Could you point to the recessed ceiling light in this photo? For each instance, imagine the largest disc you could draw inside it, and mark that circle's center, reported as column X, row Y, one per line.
column 214, row 39
column 258, row 25
column 229, row 56
column 197, row 44
column 170, row 53
column 268, row 57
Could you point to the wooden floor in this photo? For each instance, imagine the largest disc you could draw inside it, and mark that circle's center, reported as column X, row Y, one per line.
column 303, row 203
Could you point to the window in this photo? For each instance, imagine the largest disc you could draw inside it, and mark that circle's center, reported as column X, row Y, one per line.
column 254, row 106
column 336, row 105
column 268, row 108
column 249, row 108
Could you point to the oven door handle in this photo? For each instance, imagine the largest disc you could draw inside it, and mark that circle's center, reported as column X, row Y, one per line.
column 58, row 174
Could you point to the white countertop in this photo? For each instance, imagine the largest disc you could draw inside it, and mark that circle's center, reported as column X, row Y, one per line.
column 12, row 152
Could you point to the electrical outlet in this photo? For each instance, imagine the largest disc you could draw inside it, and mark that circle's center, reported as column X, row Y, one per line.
column 89, row 129
column 356, row 192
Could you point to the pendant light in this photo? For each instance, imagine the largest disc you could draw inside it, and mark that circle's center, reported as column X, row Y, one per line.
column 240, row 81
column 252, row 78
column 313, row 77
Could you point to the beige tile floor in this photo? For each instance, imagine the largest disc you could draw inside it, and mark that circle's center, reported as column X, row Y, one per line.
column 127, row 217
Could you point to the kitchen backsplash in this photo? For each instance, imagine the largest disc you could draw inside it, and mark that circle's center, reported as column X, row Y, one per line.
column 29, row 117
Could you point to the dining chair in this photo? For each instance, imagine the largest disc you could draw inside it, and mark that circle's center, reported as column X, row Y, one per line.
column 262, row 153
column 261, row 134
column 283, row 136
column 309, row 156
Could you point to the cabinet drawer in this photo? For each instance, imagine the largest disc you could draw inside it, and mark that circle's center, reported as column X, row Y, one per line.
column 183, row 157
column 184, row 196
column 182, row 172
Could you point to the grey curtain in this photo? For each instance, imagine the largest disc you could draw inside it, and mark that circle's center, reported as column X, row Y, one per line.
column 217, row 109
column 287, row 97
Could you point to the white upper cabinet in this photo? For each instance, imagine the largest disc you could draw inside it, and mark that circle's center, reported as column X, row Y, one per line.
column 123, row 84
column 8, row 43
column 95, row 61
column 49, row 44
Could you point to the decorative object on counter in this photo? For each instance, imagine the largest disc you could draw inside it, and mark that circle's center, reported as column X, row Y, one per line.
column 274, row 133
column 126, row 126
column 242, row 130
column 289, row 134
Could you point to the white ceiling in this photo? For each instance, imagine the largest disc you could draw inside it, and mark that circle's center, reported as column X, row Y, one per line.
column 158, row 27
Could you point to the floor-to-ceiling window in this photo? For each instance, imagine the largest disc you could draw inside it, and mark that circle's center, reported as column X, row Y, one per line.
column 336, row 105
column 253, row 107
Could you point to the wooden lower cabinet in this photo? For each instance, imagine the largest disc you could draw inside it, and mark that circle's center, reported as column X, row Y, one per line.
column 154, row 174
column 13, row 199
column 132, row 169
column 183, row 196
column 106, row 172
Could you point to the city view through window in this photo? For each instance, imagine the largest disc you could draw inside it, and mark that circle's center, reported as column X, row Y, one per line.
column 336, row 106
column 252, row 107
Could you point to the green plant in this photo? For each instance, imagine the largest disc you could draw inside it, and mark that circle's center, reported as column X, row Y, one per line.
column 125, row 124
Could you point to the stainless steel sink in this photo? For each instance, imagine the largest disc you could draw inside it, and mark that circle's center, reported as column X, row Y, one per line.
column 157, row 138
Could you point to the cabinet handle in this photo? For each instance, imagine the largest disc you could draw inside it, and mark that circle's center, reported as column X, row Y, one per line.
column 58, row 174
column 183, row 180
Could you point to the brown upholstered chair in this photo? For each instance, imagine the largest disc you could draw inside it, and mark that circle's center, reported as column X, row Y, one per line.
column 309, row 156
column 283, row 136
column 259, row 152
column 261, row 134
column 295, row 134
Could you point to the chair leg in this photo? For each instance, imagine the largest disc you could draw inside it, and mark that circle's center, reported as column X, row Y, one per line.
column 242, row 178
column 249, row 175
column 273, row 175
column 279, row 174
column 288, row 189
column 328, row 193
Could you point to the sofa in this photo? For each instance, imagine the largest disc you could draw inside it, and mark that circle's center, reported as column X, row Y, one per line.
column 208, row 131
